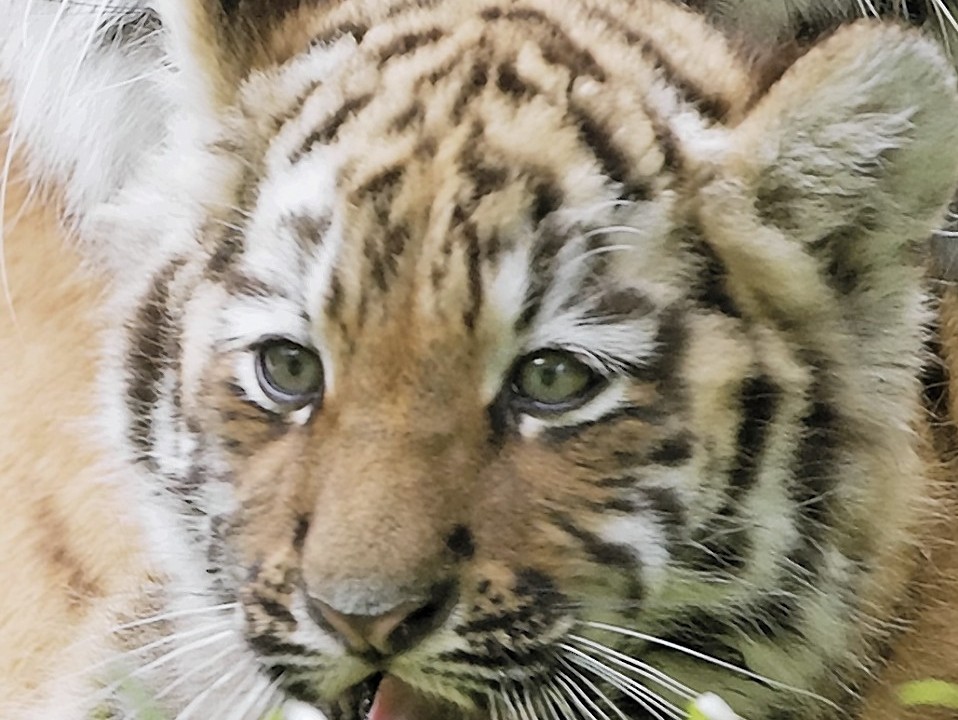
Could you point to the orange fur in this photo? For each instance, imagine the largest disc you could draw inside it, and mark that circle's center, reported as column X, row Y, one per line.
column 70, row 554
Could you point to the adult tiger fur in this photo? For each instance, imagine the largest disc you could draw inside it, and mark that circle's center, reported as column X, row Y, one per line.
column 477, row 359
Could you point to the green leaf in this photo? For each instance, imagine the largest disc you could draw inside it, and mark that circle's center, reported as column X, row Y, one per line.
column 929, row 692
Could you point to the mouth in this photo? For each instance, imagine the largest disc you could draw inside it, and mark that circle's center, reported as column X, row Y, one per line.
column 384, row 697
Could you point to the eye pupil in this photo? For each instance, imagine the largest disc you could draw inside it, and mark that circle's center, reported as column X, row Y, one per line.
column 289, row 374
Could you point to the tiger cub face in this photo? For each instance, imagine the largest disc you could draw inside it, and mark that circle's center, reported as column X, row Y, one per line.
column 530, row 359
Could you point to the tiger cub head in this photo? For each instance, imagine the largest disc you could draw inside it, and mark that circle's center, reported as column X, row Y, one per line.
column 528, row 359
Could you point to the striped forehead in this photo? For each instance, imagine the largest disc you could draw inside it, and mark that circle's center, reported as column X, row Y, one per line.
column 443, row 157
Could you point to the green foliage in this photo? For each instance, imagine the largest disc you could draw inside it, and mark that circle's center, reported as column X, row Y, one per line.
column 936, row 693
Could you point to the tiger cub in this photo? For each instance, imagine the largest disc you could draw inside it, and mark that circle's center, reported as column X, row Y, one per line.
column 475, row 360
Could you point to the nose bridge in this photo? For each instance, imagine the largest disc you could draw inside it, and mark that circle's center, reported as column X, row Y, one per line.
column 388, row 496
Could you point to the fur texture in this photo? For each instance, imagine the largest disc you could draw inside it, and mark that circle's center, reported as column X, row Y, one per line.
column 754, row 499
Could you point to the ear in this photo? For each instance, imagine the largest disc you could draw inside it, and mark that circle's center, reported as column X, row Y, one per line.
column 838, row 173
column 216, row 44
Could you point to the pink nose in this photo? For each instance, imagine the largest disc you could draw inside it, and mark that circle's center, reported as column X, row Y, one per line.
column 399, row 629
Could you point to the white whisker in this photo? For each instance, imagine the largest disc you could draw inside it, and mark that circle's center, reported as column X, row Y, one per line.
column 613, row 229
column 493, row 705
column 649, row 700
column 530, row 704
column 256, row 697
column 598, row 693
column 640, row 668
column 176, row 637
column 87, row 44
column 193, row 672
column 582, row 699
column 546, row 693
column 944, row 17
column 520, row 706
column 197, row 701
column 161, row 617
column 137, row 672
column 180, row 651
column 711, row 660
column 558, row 696
column 507, row 701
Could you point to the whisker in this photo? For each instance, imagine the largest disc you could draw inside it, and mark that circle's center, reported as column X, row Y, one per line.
column 709, row 659
column 641, row 668
column 944, row 16
column 557, row 694
column 546, row 694
column 87, row 44
column 255, row 699
column 514, row 693
column 612, row 229
column 493, row 705
column 166, row 640
column 112, row 658
column 649, row 700
column 507, row 700
column 161, row 617
column 137, row 672
column 599, row 694
column 192, row 672
column 180, row 651
column 578, row 697
column 530, row 704
column 197, row 701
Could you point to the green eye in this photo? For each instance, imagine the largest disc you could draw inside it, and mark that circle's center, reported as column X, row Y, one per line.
column 554, row 380
column 289, row 374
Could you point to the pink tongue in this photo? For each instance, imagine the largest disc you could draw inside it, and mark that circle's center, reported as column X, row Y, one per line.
column 397, row 701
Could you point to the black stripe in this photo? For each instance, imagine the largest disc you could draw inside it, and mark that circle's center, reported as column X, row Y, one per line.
column 326, row 133
column 815, row 469
column 726, row 539
column 549, row 197
column 759, row 398
column 309, row 231
column 356, row 30
column 509, row 82
column 154, row 342
column 474, row 274
column 237, row 391
column 671, row 342
column 230, row 244
column 276, row 610
column 408, row 44
column 620, row 305
column 711, row 285
column 666, row 504
column 713, row 106
column 600, row 551
column 672, row 452
column 651, row 415
column 704, row 632
column 554, row 42
column 615, row 164
column 542, row 268
column 242, row 285
column 384, row 182
column 472, row 87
